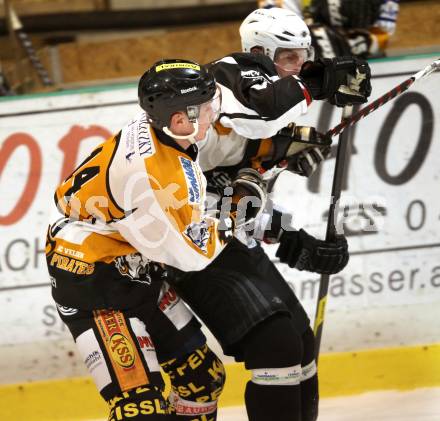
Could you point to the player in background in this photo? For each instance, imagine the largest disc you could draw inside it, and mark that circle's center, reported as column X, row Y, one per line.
column 132, row 208
column 241, row 296
column 358, row 27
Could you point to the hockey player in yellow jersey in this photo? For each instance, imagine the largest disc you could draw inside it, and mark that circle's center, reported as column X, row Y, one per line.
column 132, row 208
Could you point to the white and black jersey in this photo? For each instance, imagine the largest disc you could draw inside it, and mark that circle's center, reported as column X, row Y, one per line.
column 256, row 102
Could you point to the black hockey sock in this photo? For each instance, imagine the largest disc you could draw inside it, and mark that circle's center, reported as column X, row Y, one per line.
column 273, row 403
column 309, row 399
column 309, row 387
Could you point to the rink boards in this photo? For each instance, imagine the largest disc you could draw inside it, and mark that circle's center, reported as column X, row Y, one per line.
column 387, row 297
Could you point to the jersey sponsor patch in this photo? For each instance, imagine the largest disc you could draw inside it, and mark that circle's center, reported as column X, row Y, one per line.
column 122, row 350
column 70, row 252
column 192, row 180
column 145, row 343
column 93, row 358
column 185, row 407
column 134, row 266
column 145, row 142
column 120, row 347
column 173, row 307
column 198, row 233
column 138, row 139
column 71, row 265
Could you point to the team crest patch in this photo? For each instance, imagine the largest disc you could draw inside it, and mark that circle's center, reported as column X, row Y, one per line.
column 198, row 233
column 192, row 180
column 134, row 266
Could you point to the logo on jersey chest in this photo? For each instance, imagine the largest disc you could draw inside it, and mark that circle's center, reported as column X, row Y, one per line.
column 192, row 180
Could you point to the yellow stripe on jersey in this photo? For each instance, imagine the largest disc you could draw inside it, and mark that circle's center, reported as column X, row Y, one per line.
column 85, row 195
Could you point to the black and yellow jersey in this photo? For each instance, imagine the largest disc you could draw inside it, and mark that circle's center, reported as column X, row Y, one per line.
column 135, row 193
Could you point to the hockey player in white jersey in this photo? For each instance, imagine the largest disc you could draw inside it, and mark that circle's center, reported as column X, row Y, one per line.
column 241, row 296
column 284, row 38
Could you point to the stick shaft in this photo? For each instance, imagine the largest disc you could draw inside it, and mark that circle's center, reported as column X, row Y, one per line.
column 331, row 227
column 373, row 106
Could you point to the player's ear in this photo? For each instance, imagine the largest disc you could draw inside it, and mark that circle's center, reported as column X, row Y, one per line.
column 178, row 120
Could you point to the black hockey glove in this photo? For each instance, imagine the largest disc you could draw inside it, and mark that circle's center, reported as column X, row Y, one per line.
column 304, row 252
column 304, row 153
column 249, row 196
column 340, row 80
column 306, row 162
column 304, row 135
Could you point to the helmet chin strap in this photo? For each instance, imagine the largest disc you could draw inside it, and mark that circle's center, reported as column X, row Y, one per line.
column 188, row 137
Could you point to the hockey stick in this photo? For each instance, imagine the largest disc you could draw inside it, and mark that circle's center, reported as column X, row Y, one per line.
column 349, row 120
column 331, row 226
column 27, row 46
column 376, row 104
column 362, row 113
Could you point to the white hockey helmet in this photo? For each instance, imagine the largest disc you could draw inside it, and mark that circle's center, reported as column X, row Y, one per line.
column 274, row 28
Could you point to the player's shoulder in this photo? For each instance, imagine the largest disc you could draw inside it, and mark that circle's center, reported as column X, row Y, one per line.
column 244, row 61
